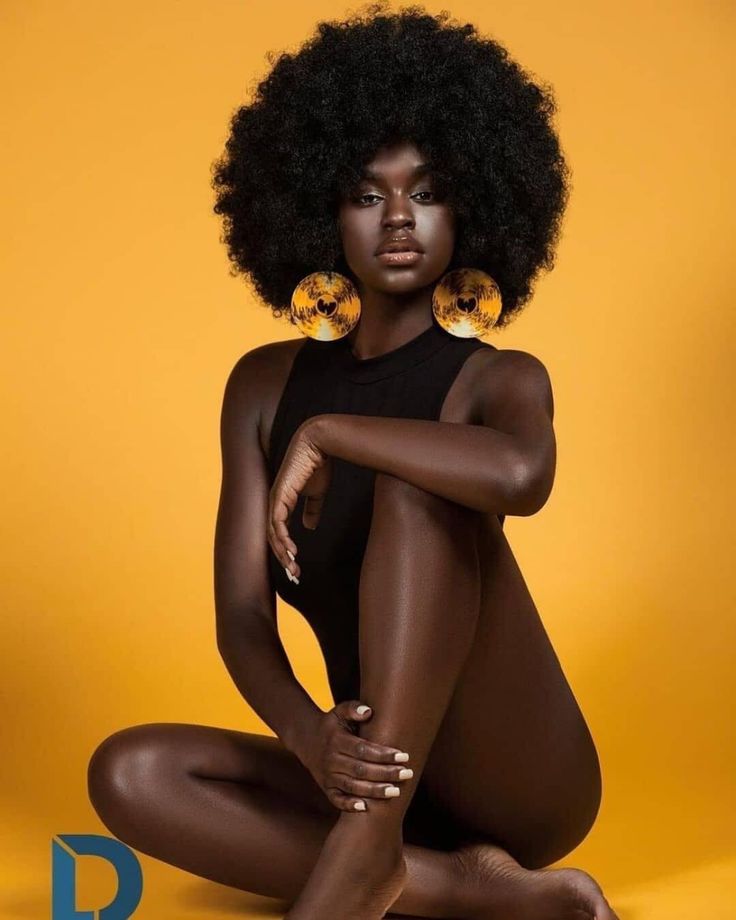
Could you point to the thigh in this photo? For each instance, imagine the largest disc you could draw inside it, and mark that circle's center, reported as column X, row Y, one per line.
column 514, row 759
column 209, row 753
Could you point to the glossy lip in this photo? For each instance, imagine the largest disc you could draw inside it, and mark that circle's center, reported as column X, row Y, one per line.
column 405, row 242
column 400, row 257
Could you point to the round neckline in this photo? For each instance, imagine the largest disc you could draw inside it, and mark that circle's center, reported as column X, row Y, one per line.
column 401, row 358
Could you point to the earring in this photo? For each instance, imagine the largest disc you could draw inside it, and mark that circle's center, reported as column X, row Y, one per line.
column 466, row 302
column 325, row 306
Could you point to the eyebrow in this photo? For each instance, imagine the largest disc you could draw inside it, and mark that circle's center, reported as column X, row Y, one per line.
column 419, row 170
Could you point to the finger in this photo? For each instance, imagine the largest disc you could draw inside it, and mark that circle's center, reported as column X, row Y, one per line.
column 363, row 788
column 345, row 802
column 377, row 773
column 279, row 518
column 282, row 553
column 277, row 547
column 280, row 512
column 283, row 502
column 291, row 569
column 312, row 511
column 282, row 534
column 353, row 710
column 295, row 567
column 361, row 749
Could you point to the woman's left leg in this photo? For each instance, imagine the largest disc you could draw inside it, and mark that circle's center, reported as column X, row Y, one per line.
column 421, row 599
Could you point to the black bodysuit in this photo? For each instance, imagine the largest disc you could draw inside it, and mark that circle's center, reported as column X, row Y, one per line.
column 410, row 381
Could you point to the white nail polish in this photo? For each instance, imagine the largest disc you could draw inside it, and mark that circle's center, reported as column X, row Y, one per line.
column 290, row 555
column 288, row 574
column 401, row 757
column 359, row 806
column 406, row 773
column 392, row 791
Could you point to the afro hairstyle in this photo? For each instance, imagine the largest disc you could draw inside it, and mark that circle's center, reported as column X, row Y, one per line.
column 321, row 114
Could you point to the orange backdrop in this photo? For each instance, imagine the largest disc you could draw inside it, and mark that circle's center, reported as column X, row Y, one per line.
column 121, row 323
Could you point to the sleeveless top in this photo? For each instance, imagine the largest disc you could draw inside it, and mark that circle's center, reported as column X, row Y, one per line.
column 410, row 381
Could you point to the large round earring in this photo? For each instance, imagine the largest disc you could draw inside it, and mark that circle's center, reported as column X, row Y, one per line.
column 325, row 306
column 466, row 302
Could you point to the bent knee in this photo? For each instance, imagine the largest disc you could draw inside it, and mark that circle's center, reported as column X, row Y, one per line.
column 397, row 493
column 127, row 765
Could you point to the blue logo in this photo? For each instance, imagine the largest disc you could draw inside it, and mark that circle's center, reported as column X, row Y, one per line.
column 64, row 849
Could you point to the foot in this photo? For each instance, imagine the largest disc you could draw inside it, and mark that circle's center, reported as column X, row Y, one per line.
column 358, row 876
column 497, row 887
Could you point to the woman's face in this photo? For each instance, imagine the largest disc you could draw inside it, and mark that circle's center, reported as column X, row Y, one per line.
column 397, row 204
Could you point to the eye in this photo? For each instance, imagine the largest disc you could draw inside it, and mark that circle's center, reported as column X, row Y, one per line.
column 366, row 196
column 361, row 198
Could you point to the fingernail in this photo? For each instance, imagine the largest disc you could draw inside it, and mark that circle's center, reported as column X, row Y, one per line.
column 406, row 773
column 290, row 576
column 362, row 709
column 359, row 806
column 391, row 792
column 290, row 555
column 401, row 757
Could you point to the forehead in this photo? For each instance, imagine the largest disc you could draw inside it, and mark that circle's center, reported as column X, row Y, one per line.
column 404, row 157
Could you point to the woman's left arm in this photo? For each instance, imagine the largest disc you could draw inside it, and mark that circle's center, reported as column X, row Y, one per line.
column 504, row 465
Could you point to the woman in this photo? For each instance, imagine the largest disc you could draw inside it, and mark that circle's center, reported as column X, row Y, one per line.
column 367, row 469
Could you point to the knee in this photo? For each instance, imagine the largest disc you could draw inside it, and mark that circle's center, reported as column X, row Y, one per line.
column 399, row 495
column 123, row 770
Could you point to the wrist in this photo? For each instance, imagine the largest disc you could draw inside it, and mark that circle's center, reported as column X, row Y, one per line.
column 300, row 729
column 320, row 429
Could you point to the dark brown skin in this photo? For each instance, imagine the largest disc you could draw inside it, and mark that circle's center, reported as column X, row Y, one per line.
column 455, row 661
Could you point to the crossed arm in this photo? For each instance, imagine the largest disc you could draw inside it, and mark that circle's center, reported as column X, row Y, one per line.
column 503, row 465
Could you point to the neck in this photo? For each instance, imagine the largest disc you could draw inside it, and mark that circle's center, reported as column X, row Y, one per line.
column 387, row 321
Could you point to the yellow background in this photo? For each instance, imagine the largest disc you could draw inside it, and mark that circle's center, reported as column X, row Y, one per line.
column 121, row 323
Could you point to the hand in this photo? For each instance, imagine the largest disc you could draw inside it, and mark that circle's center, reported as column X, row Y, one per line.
column 348, row 768
column 306, row 470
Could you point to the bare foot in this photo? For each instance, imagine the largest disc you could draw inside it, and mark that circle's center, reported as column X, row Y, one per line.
column 589, row 892
column 497, row 887
column 358, row 876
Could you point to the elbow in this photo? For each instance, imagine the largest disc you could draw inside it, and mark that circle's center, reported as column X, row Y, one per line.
column 225, row 634
column 237, row 627
column 529, row 487
column 230, row 648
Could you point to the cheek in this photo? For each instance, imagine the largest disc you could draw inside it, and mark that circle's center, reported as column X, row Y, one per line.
column 440, row 232
column 358, row 238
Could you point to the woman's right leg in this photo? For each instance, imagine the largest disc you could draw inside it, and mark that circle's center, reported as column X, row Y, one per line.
column 239, row 809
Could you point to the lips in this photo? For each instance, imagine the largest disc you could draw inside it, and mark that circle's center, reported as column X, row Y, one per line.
column 405, row 257
column 405, row 243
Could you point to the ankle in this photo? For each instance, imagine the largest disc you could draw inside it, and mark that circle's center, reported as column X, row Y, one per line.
column 372, row 827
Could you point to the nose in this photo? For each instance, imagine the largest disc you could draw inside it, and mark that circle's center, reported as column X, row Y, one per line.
column 398, row 213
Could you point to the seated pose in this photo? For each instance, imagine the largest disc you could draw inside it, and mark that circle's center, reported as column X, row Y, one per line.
column 392, row 190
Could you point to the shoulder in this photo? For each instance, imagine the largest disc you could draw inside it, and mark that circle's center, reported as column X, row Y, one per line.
column 257, row 371
column 254, row 386
column 265, row 359
column 508, row 379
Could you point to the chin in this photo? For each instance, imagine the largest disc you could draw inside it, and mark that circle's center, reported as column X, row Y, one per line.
column 406, row 286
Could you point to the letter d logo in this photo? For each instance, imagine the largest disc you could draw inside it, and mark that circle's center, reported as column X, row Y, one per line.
column 63, row 876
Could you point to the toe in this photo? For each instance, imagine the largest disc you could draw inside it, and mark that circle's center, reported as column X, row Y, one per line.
column 604, row 911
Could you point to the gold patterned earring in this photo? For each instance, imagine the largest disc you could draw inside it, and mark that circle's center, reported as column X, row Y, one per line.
column 325, row 306
column 466, row 302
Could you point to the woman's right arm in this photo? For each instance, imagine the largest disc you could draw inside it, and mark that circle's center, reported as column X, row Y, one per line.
column 247, row 635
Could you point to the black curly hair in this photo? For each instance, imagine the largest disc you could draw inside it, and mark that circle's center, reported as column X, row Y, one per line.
column 321, row 114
